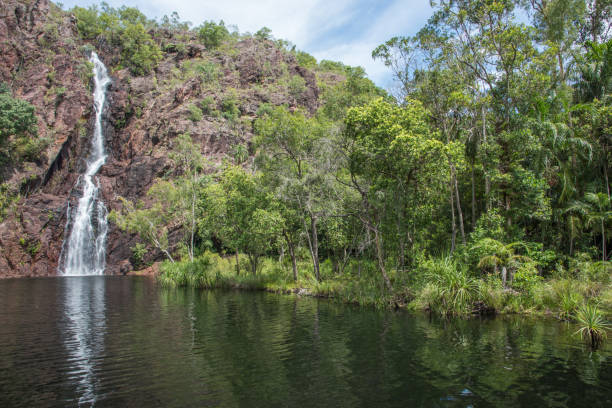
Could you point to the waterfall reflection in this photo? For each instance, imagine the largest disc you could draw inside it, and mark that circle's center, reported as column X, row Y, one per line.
column 84, row 309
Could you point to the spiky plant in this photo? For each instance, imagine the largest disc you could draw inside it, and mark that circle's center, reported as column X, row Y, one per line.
column 593, row 325
column 569, row 303
column 456, row 290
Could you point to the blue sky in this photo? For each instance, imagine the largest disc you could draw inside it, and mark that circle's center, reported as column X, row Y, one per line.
column 340, row 30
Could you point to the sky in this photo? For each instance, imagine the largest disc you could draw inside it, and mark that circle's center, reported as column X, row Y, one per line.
column 338, row 30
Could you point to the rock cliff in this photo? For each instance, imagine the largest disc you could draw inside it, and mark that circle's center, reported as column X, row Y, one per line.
column 44, row 62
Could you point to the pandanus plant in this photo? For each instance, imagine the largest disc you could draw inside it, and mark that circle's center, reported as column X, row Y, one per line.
column 593, row 325
column 501, row 256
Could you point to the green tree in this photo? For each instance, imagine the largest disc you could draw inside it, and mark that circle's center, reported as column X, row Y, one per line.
column 148, row 223
column 174, row 201
column 597, row 212
column 139, row 50
column 391, row 151
column 212, row 34
column 294, row 154
column 240, row 213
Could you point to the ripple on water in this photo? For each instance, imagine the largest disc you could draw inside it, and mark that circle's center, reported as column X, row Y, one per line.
column 110, row 341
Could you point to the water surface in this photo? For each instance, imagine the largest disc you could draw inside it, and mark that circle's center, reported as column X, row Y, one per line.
column 123, row 341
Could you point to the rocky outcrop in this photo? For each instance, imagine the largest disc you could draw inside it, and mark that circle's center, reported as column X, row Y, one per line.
column 44, row 62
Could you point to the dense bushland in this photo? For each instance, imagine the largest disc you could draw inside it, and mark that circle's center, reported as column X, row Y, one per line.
column 480, row 185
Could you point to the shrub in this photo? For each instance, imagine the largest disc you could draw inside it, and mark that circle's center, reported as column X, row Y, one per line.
column 296, row 86
column 568, row 304
column 88, row 24
column 17, row 117
column 264, row 33
column 7, row 200
column 186, row 273
column 30, row 149
column 209, row 72
column 491, row 293
column 450, row 290
column 593, row 325
column 138, row 252
column 209, row 106
column 139, row 51
column 305, row 60
column 229, row 106
column 195, row 113
column 212, row 34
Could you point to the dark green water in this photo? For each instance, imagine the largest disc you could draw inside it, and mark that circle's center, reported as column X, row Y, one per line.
column 111, row 341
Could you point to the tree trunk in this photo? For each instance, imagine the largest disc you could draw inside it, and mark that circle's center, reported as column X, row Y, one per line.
column 504, row 273
column 603, row 241
column 561, row 68
column 292, row 254
column 508, row 218
column 315, row 247
column 484, row 139
column 254, row 260
column 402, row 246
column 459, row 212
column 606, row 172
column 453, row 223
column 473, row 199
column 193, row 220
column 237, row 264
column 381, row 260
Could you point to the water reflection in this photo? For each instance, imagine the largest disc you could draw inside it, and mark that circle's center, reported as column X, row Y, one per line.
column 84, row 310
column 121, row 341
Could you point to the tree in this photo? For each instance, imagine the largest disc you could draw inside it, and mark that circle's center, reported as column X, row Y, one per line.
column 148, row 223
column 18, row 130
column 240, row 214
column 183, row 192
column 17, row 118
column 295, row 157
column 212, row 34
column 597, row 212
column 390, row 151
column 174, row 201
column 139, row 51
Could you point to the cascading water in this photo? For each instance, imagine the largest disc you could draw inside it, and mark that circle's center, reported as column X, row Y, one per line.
column 84, row 252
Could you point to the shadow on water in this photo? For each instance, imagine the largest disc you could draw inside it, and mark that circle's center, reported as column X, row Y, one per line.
column 123, row 341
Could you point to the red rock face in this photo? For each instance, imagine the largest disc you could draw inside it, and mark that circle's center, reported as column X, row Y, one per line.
column 42, row 61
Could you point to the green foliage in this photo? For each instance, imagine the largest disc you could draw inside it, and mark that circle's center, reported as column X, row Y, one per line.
column 263, row 34
column 212, row 34
column 7, row 200
column 18, row 130
column 195, row 113
column 305, row 60
column 230, row 106
column 125, row 27
column 139, row 51
column 88, row 24
column 209, row 72
column 593, row 325
column 138, row 253
column 296, row 86
column 480, row 186
column 17, row 118
column 449, row 290
column 209, row 106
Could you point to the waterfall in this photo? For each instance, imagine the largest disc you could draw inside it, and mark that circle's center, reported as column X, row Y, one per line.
column 84, row 252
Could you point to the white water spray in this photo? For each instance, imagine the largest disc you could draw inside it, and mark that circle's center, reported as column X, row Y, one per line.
column 84, row 252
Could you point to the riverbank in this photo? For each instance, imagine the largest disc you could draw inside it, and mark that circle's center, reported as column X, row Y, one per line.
column 437, row 286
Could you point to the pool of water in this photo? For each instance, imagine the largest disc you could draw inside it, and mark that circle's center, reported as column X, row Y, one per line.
column 124, row 341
